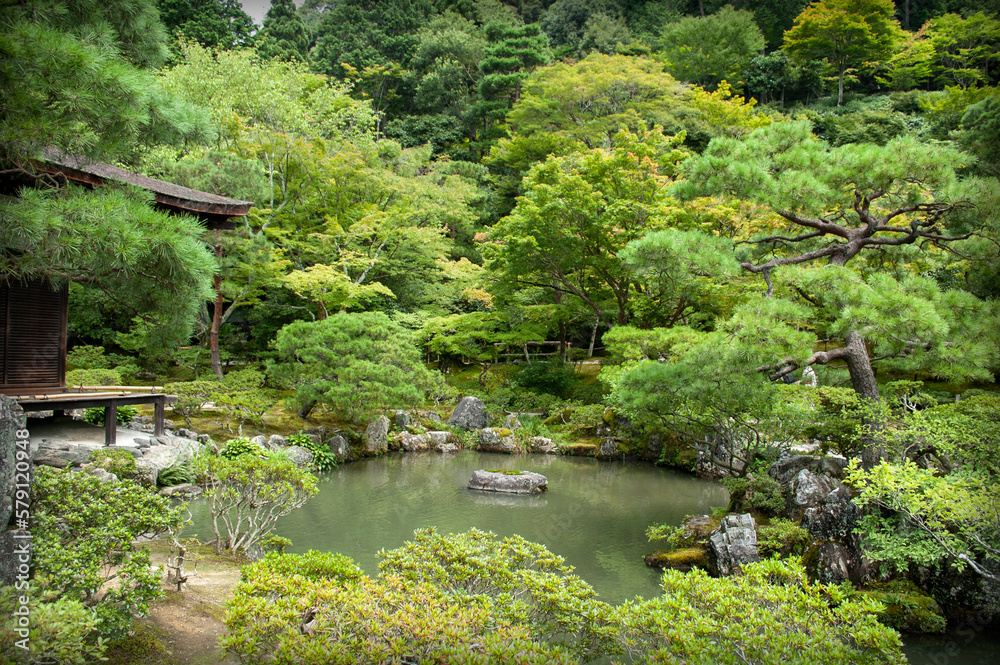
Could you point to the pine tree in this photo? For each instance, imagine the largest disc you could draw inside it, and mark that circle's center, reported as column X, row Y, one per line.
column 284, row 36
column 511, row 53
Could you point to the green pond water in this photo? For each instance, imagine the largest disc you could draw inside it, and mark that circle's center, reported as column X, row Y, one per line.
column 595, row 515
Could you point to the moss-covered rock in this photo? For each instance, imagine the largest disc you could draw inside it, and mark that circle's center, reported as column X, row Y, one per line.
column 683, row 559
column 580, row 449
column 907, row 608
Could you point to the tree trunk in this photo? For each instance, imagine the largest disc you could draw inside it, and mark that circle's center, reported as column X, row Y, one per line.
column 593, row 338
column 840, row 88
column 863, row 380
column 213, row 333
column 306, row 409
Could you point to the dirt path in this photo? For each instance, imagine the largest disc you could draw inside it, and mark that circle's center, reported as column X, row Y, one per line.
column 183, row 628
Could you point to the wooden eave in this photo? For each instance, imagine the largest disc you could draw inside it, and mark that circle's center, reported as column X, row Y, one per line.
column 213, row 209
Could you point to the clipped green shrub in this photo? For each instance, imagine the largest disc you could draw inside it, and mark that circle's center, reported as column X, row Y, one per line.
column 191, row 397
column 242, row 406
column 781, row 537
column 123, row 415
column 756, row 493
column 85, row 356
column 93, row 377
column 119, row 462
column 313, row 565
column 240, row 446
column 84, row 536
column 63, row 632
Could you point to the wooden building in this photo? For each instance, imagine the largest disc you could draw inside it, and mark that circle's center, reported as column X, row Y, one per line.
column 33, row 315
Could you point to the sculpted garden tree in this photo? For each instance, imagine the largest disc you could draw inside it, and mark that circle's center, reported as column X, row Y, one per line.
column 854, row 200
column 353, row 364
column 845, row 33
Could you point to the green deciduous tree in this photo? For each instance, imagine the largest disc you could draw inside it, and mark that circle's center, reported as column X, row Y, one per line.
column 578, row 211
column 845, row 33
column 708, row 50
column 966, row 50
column 353, row 364
column 933, row 519
column 249, row 493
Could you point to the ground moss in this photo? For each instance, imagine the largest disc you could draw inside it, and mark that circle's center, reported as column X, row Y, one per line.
column 506, row 472
column 142, row 646
column 503, row 432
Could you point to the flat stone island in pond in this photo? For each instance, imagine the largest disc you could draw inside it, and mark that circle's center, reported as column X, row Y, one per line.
column 508, row 481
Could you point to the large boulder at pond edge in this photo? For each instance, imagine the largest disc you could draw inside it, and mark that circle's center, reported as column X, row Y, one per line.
column 541, row 444
column 785, row 469
column 469, row 414
column 732, row 545
column 413, row 442
column 158, row 458
column 401, row 419
column 299, row 456
column 508, row 482
column 833, row 519
column 377, row 435
column 497, row 440
column 339, row 447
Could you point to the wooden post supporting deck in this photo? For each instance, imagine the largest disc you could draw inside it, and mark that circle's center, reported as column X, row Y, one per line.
column 158, row 409
column 110, row 423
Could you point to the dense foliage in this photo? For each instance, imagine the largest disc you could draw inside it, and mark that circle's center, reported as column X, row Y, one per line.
column 83, row 539
column 477, row 598
column 704, row 200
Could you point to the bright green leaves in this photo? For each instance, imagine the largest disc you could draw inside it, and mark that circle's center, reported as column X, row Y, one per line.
column 846, row 33
column 577, row 213
column 476, row 598
column 710, row 49
column 934, row 518
column 768, row 614
column 83, row 533
column 249, row 493
column 524, row 584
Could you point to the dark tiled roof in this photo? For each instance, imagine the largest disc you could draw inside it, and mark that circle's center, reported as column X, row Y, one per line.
column 167, row 194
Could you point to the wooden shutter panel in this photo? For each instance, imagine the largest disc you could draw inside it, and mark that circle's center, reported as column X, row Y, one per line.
column 34, row 336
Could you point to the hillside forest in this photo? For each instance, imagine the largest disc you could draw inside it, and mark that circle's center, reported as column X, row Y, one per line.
column 723, row 228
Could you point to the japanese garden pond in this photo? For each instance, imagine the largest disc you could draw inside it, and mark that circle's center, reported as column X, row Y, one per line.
column 594, row 514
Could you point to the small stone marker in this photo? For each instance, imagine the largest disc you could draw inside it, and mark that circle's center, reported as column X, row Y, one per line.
column 509, row 482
